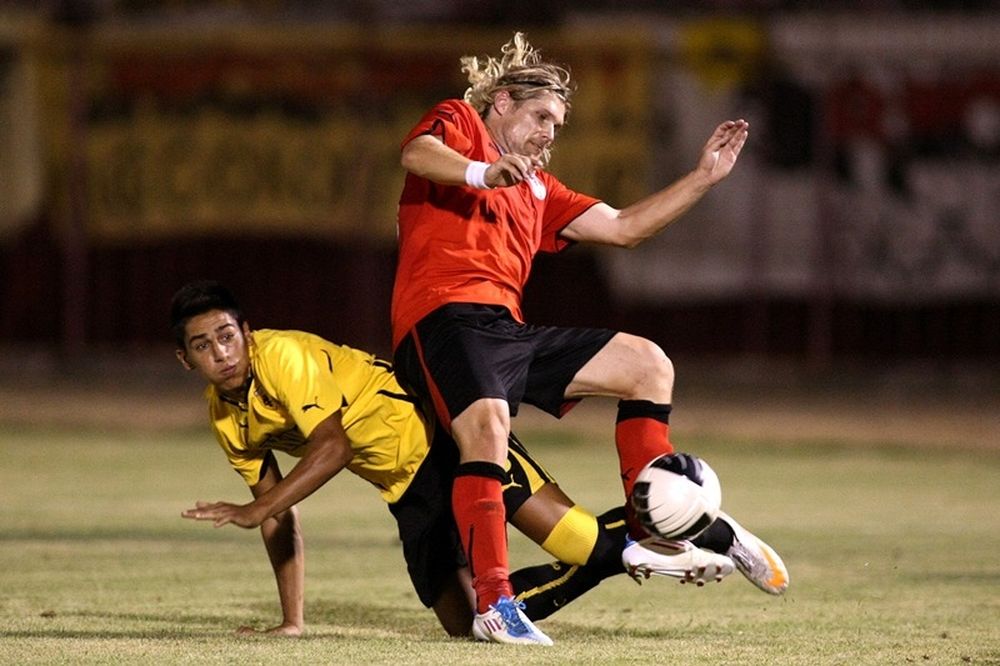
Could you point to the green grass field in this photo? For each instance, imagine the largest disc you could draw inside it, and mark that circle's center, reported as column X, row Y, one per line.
column 893, row 557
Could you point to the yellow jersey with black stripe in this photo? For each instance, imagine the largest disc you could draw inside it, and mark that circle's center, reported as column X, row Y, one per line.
column 299, row 379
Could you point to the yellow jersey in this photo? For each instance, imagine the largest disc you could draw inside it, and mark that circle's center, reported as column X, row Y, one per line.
column 298, row 380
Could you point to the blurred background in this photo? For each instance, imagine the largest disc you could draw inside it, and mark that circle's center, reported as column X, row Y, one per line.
column 144, row 143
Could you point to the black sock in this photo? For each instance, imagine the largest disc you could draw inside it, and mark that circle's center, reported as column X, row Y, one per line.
column 548, row 587
column 717, row 537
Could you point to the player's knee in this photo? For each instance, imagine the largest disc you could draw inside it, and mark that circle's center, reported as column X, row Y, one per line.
column 654, row 371
column 453, row 606
column 653, row 357
column 481, row 430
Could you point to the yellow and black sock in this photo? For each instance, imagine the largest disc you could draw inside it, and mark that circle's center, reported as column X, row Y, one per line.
column 546, row 588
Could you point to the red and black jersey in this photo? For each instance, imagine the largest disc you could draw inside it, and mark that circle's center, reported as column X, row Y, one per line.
column 461, row 244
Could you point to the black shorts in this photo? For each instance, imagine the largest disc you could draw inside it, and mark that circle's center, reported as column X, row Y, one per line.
column 431, row 544
column 462, row 352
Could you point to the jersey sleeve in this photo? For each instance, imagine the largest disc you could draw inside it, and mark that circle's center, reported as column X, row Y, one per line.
column 248, row 464
column 228, row 424
column 300, row 376
column 452, row 121
column 562, row 206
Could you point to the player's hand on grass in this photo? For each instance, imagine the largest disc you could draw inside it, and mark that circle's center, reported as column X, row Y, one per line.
column 224, row 513
column 722, row 148
column 286, row 629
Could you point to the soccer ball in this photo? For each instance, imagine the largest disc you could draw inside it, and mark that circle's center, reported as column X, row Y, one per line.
column 676, row 496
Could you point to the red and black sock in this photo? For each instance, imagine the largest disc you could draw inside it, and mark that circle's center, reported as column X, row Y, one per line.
column 477, row 502
column 642, row 432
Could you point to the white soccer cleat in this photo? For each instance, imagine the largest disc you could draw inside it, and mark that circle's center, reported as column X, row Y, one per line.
column 505, row 622
column 755, row 559
column 654, row 556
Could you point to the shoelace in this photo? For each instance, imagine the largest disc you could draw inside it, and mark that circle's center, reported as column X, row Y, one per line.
column 508, row 608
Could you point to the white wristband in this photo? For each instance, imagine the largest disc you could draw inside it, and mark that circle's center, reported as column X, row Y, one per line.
column 475, row 175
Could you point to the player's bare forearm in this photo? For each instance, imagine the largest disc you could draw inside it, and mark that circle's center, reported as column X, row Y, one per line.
column 630, row 226
column 283, row 541
column 307, row 476
column 282, row 536
column 647, row 217
column 426, row 156
column 326, row 453
column 651, row 215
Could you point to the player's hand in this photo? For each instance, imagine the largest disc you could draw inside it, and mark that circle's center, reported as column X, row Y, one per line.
column 285, row 629
column 721, row 150
column 224, row 513
column 511, row 169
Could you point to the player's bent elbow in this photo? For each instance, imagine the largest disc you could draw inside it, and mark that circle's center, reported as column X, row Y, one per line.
column 286, row 525
column 625, row 231
column 406, row 159
column 619, row 237
column 628, row 240
column 289, row 516
column 413, row 157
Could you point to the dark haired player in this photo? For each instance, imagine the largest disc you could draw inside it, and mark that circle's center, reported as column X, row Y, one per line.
column 334, row 407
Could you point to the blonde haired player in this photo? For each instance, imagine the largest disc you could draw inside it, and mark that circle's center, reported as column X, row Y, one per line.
column 334, row 407
column 477, row 206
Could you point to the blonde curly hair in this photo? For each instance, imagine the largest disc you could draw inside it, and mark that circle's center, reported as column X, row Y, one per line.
column 519, row 70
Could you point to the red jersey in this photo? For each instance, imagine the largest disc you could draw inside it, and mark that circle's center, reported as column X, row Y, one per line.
column 458, row 244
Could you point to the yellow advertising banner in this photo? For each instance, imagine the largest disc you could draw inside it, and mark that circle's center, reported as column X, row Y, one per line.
column 297, row 132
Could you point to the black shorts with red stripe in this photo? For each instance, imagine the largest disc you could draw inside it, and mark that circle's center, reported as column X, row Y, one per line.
column 462, row 352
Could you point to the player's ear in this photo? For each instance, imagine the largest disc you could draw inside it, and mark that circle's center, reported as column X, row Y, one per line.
column 182, row 357
column 246, row 330
column 502, row 102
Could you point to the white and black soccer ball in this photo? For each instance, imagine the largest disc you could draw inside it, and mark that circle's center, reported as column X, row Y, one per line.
column 677, row 496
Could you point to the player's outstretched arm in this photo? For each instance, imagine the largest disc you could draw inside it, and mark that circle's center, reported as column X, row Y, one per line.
column 327, row 451
column 647, row 217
